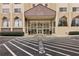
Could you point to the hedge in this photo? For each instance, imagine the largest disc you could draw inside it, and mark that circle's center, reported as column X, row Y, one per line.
column 11, row 33
column 74, row 33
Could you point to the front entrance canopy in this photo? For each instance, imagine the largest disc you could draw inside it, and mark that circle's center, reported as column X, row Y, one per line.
column 40, row 12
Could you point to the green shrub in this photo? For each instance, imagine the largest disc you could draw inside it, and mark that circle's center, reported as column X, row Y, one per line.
column 11, row 33
column 74, row 33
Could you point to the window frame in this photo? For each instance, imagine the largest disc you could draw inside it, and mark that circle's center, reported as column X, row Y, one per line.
column 63, row 9
column 74, row 21
column 5, row 22
column 17, row 10
column 75, row 9
column 63, row 22
column 5, row 10
column 44, row 4
column 18, row 22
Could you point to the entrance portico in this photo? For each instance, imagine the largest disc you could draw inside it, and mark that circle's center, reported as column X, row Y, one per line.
column 40, row 20
column 39, row 27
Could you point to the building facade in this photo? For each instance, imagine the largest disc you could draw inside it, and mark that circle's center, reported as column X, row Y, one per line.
column 53, row 19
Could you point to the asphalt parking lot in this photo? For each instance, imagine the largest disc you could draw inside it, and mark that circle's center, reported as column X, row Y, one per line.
column 4, row 39
column 27, row 46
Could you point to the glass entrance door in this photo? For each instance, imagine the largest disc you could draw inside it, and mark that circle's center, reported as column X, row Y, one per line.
column 40, row 27
column 39, row 31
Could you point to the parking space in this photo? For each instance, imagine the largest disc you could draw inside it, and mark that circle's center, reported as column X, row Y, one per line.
column 27, row 46
column 4, row 39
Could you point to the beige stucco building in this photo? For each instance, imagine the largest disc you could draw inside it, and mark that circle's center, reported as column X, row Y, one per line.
column 51, row 19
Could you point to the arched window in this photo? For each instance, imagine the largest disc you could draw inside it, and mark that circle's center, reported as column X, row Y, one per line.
column 62, row 21
column 5, row 22
column 44, row 4
column 75, row 21
column 17, row 22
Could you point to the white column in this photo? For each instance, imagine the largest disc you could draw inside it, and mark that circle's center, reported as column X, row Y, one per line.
column 0, row 23
column 56, row 19
column 27, row 27
column 37, row 26
column 69, row 16
column 42, row 27
column 11, row 19
column 23, row 18
column 52, row 26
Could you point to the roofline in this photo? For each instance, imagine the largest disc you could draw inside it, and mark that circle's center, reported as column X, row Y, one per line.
column 38, row 5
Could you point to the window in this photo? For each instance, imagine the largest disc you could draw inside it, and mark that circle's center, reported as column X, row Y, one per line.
column 33, row 5
column 5, row 22
column 46, row 25
column 5, row 10
column 44, row 4
column 75, row 21
column 17, row 10
column 63, row 9
column 17, row 22
column 33, row 25
column 62, row 21
column 75, row 9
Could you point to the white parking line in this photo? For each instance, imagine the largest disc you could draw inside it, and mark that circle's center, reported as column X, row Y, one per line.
column 9, row 50
column 57, row 52
column 68, row 44
column 26, row 45
column 75, row 39
column 62, row 49
column 31, row 43
column 21, row 49
column 66, row 49
column 48, row 54
column 25, row 40
column 65, row 46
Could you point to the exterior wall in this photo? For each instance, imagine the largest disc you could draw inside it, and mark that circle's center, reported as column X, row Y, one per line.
column 72, row 15
column 11, row 15
column 27, row 6
column 54, row 6
column 61, row 30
